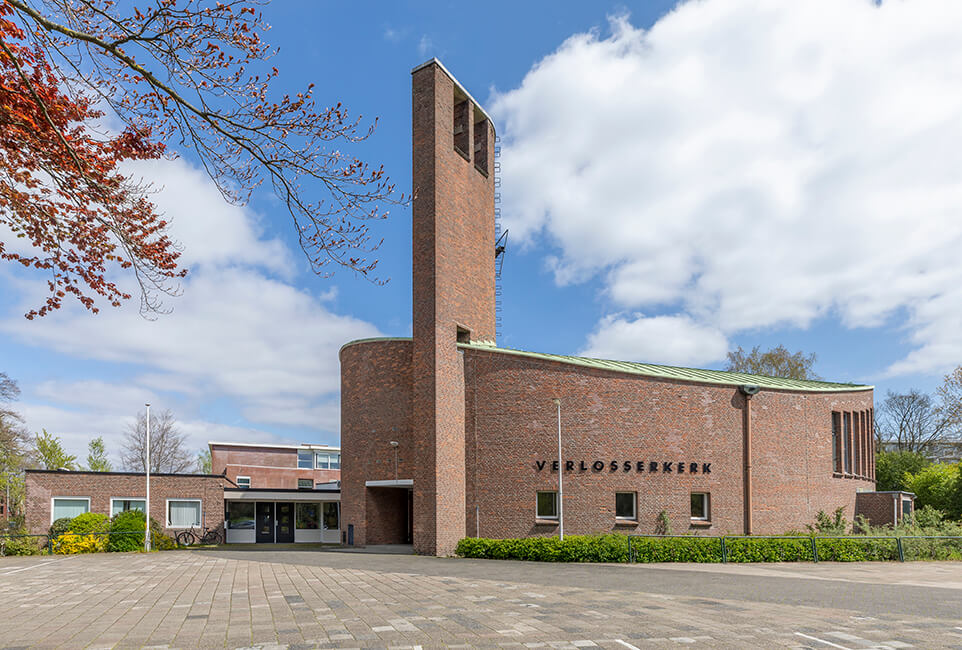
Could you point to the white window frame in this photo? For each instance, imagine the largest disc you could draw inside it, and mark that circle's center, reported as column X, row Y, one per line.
column 241, row 478
column 537, row 514
column 305, row 479
column 52, row 499
column 200, row 524
column 313, row 458
column 112, row 499
column 707, row 499
column 634, row 507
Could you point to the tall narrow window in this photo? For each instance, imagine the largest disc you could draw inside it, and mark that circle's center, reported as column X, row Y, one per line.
column 462, row 113
column 856, row 445
column 847, row 441
column 837, row 441
column 480, row 142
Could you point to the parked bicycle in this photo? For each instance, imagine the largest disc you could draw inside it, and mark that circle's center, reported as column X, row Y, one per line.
column 190, row 537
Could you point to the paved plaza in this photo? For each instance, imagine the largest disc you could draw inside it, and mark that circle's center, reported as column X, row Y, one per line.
column 328, row 599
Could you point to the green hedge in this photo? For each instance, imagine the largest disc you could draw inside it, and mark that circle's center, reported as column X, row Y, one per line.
column 615, row 548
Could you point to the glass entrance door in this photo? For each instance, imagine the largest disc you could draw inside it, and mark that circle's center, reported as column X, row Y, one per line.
column 265, row 523
column 285, row 523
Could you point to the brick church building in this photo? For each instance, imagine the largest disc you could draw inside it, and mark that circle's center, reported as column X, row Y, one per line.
column 444, row 435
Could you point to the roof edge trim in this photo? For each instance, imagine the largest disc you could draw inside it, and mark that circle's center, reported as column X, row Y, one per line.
column 457, row 83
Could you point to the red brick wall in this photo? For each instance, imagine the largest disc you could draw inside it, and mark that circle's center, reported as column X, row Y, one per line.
column 607, row 416
column 267, row 467
column 41, row 487
column 453, row 285
column 376, row 395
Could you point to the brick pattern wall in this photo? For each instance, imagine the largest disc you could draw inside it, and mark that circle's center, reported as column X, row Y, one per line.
column 512, row 424
column 376, row 396
column 100, row 487
column 453, row 286
column 267, row 467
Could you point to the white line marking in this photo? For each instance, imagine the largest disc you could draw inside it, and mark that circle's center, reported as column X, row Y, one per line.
column 829, row 643
column 627, row 645
column 33, row 566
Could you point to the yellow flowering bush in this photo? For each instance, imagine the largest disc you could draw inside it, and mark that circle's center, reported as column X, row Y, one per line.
column 72, row 543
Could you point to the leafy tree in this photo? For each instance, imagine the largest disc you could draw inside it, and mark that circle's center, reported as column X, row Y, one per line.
column 183, row 69
column 97, row 460
column 891, row 467
column 776, row 362
column 13, row 446
column 913, row 421
column 936, row 485
column 49, row 453
column 204, row 462
column 167, row 445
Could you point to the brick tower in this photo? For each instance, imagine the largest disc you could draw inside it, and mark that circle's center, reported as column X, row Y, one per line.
column 454, row 290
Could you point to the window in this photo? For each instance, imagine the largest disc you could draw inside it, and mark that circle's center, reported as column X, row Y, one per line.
column 240, row 515
column 332, row 516
column 547, row 505
column 243, row 481
column 480, row 142
column 123, row 505
column 68, row 507
column 462, row 112
column 700, row 506
column 305, row 516
column 183, row 513
column 847, row 442
column 327, row 460
column 836, row 442
column 625, row 505
column 305, row 459
column 305, row 484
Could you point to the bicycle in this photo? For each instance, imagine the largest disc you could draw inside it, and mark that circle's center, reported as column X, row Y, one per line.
column 189, row 537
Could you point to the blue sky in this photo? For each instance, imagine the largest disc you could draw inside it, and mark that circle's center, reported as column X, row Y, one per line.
column 676, row 183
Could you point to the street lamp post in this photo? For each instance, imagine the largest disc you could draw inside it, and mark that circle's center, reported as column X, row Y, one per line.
column 561, row 468
column 394, row 444
column 147, row 502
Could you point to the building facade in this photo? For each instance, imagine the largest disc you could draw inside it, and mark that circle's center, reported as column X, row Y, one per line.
column 446, row 435
column 177, row 501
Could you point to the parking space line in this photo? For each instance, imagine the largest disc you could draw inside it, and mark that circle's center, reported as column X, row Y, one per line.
column 33, row 566
column 828, row 643
column 627, row 645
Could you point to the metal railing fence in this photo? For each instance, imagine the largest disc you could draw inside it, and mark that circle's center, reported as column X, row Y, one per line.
column 52, row 541
column 953, row 542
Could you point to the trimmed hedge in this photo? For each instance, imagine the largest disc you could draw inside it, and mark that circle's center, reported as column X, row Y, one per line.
column 615, row 548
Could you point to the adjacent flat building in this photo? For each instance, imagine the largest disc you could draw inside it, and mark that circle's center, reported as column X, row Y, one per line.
column 445, row 435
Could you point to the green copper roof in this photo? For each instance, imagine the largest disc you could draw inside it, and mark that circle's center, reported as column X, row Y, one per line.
column 682, row 374
column 697, row 375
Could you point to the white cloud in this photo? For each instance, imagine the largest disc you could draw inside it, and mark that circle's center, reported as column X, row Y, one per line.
column 425, row 45
column 751, row 165
column 240, row 331
column 674, row 340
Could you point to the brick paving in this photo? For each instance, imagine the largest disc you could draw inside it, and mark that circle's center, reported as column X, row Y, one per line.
column 336, row 600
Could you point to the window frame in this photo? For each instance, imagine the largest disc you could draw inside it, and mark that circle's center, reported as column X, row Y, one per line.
column 706, row 506
column 305, row 451
column 112, row 499
column 309, row 487
column 537, row 505
column 242, row 478
column 53, row 499
column 230, row 519
column 634, row 507
column 200, row 513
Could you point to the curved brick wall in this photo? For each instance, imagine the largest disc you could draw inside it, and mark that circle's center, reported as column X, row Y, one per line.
column 376, row 395
column 608, row 416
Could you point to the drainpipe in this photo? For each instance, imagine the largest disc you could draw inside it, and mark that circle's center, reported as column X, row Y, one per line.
column 748, row 391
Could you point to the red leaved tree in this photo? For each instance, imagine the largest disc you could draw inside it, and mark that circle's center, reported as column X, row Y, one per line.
column 193, row 71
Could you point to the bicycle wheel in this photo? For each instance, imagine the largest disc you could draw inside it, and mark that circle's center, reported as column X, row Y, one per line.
column 212, row 537
column 186, row 538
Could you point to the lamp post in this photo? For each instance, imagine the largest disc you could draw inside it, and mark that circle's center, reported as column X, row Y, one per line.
column 147, row 502
column 394, row 444
column 561, row 468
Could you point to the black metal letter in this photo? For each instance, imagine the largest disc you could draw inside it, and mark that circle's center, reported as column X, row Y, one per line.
column 554, row 466
column 666, row 467
column 653, row 466
column 583, row 467
column 569, row 466
column 706, row 468
column 540, row 464
column 640, row 466
column 597, row 466
column 681, row 468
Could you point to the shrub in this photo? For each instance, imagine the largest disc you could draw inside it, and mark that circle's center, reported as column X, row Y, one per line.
column 71, row 543
column 59, row 527
column 769, row 550
column 21, row 545
column 936, row 486
column 121, row 527
column 90, row 522
column 574, row 548
column 825, row 525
